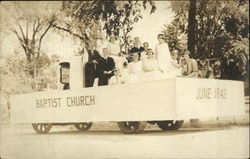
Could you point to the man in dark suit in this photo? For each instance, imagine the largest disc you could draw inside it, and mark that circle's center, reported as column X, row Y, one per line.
column 106, row 68
column 91, row 67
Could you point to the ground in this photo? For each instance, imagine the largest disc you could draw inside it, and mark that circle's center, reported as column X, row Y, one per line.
column 104, row 140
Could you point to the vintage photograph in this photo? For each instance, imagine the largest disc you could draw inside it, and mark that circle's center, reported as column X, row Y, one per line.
column 108, row 79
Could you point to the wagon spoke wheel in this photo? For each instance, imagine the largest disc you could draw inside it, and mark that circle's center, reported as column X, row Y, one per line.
column 170, row 124
column 83, row 126
column 42, row 128
column 132, row 127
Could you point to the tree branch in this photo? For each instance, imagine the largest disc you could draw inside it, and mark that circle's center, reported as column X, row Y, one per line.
column 22, row 32
column 35, row 29
column 40, row 40
column 23, row 44
column 69, row 31
column 27, row 30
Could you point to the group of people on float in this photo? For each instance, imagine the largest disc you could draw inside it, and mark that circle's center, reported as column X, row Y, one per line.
column 142, row 63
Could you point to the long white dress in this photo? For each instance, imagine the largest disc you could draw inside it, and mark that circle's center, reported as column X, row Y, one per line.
column 151, row 70
column 149, row 65
column 143, row 55
column 165, row 60
column 135, row 71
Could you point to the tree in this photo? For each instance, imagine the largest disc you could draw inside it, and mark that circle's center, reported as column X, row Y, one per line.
column 221, row 28
column 30, row 23
column 191, row 27
column 176, row 31
column 15, row 77
column 86, row 20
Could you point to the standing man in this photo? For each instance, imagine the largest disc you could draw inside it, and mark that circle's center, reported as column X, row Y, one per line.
column 91, row 67
column 192, row 66
column 106, row 68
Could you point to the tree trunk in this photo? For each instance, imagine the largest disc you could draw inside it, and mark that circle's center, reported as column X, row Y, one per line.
column 34, row 69
column 191, row 27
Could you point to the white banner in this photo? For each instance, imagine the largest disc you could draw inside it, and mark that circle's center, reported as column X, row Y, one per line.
column 168, row 99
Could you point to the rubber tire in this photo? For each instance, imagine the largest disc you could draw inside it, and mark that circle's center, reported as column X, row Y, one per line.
column 42, row 128
column 170, row 124
column 83, row 126
column 132, row 127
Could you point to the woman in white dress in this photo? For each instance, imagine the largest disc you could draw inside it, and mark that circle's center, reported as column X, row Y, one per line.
column 135, row 68
column 144, row 52
column 176, row 64
column 164, row 58
column 120, row 76
column 150, row 67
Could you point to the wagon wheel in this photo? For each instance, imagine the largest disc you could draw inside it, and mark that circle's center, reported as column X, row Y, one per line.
column 83, row 126
column 132, row 127
column 170, row 124
column 42, row 128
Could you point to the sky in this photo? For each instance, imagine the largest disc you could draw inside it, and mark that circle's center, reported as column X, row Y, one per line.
column 146, row 29
column 151, row 25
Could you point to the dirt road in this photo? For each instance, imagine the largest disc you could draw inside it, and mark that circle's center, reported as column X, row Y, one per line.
column 21, row 142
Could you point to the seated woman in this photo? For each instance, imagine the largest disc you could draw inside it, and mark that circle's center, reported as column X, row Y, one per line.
column 121, row 75
column 183, row 64
column 150, row 67
column 135, row 68
column 144, row 52
column 149, row 63
column 176, row 66
column 120, row 60
column 136, row 65
column 116, row 79
column 124, row 73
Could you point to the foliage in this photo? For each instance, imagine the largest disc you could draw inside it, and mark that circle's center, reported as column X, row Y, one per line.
column 191, row 26
column 30, row 22
column 176, row 37
column 86, row 20
column 221, row 28
column 15, row 77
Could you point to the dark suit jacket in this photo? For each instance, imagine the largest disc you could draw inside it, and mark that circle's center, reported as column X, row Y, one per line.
column 92, row 68
column 106, row 65
column 94, row 56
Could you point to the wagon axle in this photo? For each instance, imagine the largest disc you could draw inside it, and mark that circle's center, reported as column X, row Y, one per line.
column 43, row 128
column 128, row 127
